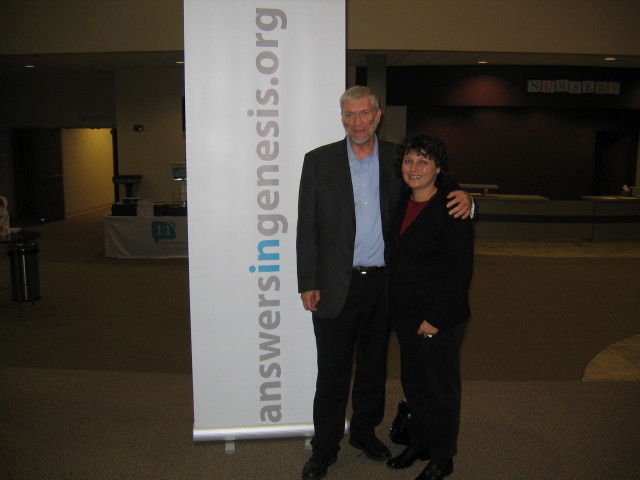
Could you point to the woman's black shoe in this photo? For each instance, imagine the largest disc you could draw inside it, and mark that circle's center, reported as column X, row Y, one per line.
column 436, row 471
column 406, row 459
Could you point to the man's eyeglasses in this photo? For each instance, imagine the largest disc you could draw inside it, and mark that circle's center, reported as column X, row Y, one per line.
column 364, row 115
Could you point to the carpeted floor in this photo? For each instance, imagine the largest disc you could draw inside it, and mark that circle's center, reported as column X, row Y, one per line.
column 95, row 378
column 65, row 424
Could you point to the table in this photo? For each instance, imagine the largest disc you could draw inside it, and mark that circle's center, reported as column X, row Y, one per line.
column 145, row 237
column 484, row 187
column 23, row 256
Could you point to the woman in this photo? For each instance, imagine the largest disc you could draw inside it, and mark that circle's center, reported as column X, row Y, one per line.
column 431, row 266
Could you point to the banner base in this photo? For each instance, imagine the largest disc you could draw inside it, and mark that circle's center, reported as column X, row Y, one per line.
column 230, row 448
column 230, row 434
column 247, row 433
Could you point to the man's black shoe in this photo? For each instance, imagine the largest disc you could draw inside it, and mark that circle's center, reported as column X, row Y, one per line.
column 399, row 431
column 406, row 459
column 371, row 446
column 316, row 467
column 436, row 470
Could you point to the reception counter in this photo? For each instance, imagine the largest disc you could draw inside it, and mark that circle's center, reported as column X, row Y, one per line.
column 532, row 217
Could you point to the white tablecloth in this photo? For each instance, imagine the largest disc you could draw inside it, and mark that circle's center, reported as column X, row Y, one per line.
column 145, row 237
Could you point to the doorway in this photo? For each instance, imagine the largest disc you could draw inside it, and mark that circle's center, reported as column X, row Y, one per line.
column 62, row 172
column 37, row 170
column 615, row 162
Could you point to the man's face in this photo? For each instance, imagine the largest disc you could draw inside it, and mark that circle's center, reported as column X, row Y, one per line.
column 360, row 119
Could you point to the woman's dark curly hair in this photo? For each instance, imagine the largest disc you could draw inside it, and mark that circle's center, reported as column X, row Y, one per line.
column 428, row 147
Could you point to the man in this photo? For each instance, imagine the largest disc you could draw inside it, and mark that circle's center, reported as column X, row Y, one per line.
column 348, row 193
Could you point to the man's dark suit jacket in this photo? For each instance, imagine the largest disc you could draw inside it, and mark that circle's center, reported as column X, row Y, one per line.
column 327, row 221
column 430, row 266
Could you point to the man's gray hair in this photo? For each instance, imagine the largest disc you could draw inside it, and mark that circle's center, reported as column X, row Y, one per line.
column 358, row 92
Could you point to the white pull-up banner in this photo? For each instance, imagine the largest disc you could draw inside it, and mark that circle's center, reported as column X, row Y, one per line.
column 263, row 80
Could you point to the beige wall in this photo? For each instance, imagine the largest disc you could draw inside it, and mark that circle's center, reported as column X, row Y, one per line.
column 51, row 100
column 152, row 98
column 81, row 26
column 552, row 26
column 59, row 99
column 87, row 165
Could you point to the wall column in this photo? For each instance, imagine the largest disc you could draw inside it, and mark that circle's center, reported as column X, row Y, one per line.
column 377, row 82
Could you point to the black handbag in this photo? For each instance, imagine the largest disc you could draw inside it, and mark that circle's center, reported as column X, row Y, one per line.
column 399, row 431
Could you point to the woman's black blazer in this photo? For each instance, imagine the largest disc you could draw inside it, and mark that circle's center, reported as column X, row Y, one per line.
column 430, row 267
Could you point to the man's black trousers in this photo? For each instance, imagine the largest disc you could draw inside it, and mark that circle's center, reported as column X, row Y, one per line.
column 362, row 327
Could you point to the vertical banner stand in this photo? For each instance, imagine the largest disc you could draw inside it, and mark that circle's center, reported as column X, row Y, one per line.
column 262, row 86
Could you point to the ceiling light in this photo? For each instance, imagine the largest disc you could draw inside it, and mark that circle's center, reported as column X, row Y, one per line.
column 180, row 62
column 609, row 59
column 29, row 66
column 482, row 61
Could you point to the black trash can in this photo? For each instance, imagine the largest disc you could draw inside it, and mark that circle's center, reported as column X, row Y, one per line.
column 25, row 273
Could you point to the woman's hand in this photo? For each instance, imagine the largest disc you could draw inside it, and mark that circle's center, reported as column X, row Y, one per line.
column 427, row 330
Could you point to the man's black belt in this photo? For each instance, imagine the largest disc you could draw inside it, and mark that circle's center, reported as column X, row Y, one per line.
column 367, row 270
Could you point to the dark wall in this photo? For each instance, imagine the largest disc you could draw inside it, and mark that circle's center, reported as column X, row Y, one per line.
column 534, row 151
column 527, row 143
column 506, row 86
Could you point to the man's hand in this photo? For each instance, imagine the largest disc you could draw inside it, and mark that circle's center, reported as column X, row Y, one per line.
column 427, row 330
column 461, row 204
column 310, row 299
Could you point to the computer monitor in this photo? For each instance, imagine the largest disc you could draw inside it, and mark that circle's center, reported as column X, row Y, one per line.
column 179, row 171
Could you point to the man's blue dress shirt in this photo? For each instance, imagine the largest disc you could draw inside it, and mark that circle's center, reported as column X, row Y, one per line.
column 365, row 178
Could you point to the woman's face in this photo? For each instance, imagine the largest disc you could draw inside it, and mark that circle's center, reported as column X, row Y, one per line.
column 419, row 172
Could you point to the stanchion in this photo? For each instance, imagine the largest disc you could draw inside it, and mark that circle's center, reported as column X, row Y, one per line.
column 25, row 272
